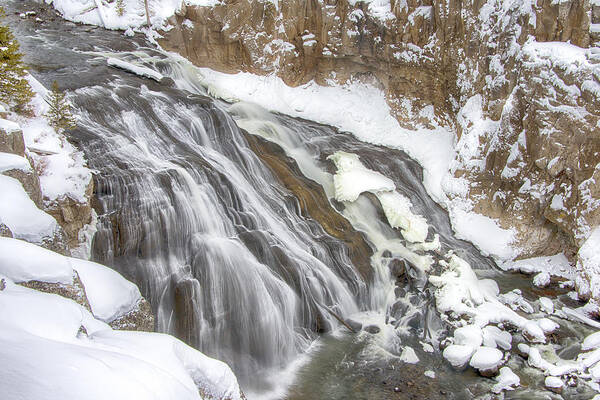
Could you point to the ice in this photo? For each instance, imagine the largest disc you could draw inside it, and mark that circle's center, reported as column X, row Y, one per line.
column 135, row 69
column 409, row 356
column 110, row 295
column 507, row 380
column 21, row 215
column 352, row 178
column 486, row 358
column 21, row 262
column 397, row 211
column 556, row 265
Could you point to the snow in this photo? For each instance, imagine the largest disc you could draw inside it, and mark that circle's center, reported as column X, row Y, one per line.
column 10, row 161
column 506, row 379
column 556, row 265
column 135, row 69
column 542, row 279
column 429, row 373
column 553, row 382
column 9, row 126
column 21, row 262
column 21, row 215
column 53, row 348
column 352, row 178
column 469, row 336
column 486, row 358
column 588, row 266
column 591, row 342
column 458, row 355
column 485, row 233
column 109, row 294
column 45, row 355
column 546, row 305
column 62, row 173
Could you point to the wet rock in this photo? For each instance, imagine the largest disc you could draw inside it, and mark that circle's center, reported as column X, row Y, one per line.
column 357, row 326
column 373, row 329
column 397, row 267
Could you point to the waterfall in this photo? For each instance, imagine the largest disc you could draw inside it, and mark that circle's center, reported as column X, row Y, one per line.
column 189, row 212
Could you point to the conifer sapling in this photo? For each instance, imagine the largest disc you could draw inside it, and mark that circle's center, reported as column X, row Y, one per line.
column 59, row 114
column 14, row 88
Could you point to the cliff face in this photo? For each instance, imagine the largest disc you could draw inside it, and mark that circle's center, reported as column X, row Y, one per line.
column 525, row 112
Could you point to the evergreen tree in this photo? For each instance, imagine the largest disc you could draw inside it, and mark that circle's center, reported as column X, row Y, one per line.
column 120, row 7
column 14, row 88
column 59, row 115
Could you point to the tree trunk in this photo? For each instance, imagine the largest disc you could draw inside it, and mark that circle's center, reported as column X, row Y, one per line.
column 147, row 13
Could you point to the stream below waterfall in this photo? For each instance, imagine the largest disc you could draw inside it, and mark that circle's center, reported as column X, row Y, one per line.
column 224, row 216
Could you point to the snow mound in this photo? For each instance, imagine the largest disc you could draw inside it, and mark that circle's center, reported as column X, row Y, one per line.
column 21, row 215
column 10, row 161
column 486, row 358
column 21, row 262
column 46, row 355
column 110, row 295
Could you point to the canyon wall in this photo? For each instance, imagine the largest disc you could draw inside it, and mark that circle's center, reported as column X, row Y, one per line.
column 516, row 81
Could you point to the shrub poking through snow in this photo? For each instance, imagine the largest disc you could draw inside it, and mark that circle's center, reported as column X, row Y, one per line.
column 120, row 8
column 14, row 88
column 59, row 113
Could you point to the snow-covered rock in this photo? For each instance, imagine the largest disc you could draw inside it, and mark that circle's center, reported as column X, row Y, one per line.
column 110, row 295
column 487, row 360
column 21, row 215
column 458, row 355
column 46, row 355
column 507, row 380
column 21, row 262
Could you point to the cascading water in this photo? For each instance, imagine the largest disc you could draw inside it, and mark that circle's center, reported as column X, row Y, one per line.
column 233, row 235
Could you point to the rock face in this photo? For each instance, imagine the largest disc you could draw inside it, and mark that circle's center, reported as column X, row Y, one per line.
column 72, row 215
column 525, row 112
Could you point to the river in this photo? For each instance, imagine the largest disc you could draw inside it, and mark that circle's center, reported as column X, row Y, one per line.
column 224, row 216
